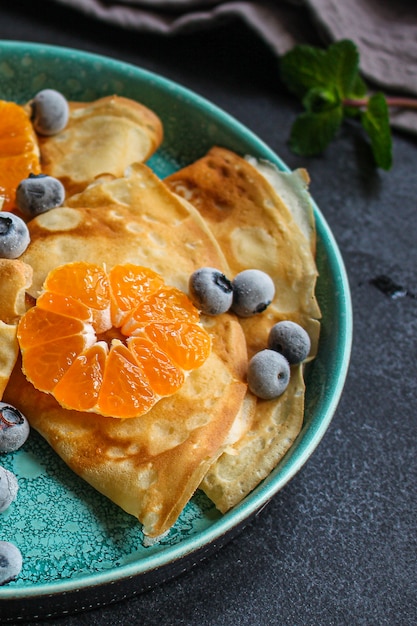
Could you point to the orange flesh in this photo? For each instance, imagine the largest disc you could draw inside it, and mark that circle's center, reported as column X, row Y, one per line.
column 117, row 345
column 85, row 376
column 19, row 152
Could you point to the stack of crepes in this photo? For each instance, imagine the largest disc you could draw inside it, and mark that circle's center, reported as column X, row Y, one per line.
column 222, row 211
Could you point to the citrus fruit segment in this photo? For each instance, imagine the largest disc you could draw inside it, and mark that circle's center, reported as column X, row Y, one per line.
column 130, row 284
column 19, row 151
column 85, row 376
column 164, row 375
column 166, row 304
column 39, row 326
column 65, row 305
column 125, row 390
column 185, row 343
column 73, row 347
column 47, row 364
column 86, row 282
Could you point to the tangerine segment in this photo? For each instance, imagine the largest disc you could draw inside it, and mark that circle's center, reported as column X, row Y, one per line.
column 166, row 304
column 79, row 387
column 129, row 285
column 19, row 151
column 65, row 305
column 87, row 283
column 125, row 391
column 45, row 368
column 187, row 344
column 163, row 374
column 39, row 326
column 16, row 131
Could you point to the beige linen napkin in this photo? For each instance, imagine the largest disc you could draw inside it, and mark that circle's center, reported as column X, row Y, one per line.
column 384, row 31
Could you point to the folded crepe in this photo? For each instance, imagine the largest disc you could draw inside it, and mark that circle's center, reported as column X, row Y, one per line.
column 262, row 218
column 149, row 465
column 104, row 136
column 220, row 212
column 15, row 278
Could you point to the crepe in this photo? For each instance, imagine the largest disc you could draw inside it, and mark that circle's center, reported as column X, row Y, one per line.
column 256, row 228
column 151, row 465
column 222, row 211
column 15, row 278
column 104, row 136
column 133, row 219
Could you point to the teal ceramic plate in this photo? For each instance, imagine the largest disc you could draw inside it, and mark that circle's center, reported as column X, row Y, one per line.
column 79, row 549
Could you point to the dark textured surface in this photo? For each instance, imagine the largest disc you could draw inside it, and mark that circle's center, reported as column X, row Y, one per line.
column 338, row 544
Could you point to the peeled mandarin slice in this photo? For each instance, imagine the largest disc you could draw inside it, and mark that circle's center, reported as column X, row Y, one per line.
column 64, row 305
column 88, row 283
column 19, row 151
column 185, row 343
column 130, row 284
column 164, row 375
column 39, row 326
column 125, row 390
column 80, row 386
column 47, row 367
column 166, row 304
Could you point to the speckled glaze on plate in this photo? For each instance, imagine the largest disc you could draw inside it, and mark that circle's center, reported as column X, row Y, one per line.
column 79, row 549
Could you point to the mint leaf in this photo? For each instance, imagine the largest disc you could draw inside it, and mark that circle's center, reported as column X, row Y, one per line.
column 306, row 67
column 343, row 60
column 359, row 89
column 312, row 132
column 375, row 121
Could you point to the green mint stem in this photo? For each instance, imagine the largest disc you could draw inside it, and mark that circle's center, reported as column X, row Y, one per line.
column 398, row 102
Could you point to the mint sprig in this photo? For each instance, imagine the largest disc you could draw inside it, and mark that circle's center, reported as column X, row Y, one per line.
column 375, row 120
column 331, row 89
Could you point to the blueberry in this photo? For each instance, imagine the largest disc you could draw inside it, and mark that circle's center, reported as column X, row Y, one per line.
column 50, row 112
column 14, row 235
column 268, row 374
column 10, row 562
column 291, row 340
column 210, row 291
column 14, row 428
column 8, row 488
column 253, row 292
column 39, row 193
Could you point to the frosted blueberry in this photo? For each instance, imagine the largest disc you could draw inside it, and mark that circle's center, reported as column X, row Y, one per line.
column 268, row 374
column 39, row 193
column 291, row 340
column 10, row 562
column 14, row 428
column 50, row 112
column 8, row 488
column 14, row 235
column 253, row 292
column 210, row 291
